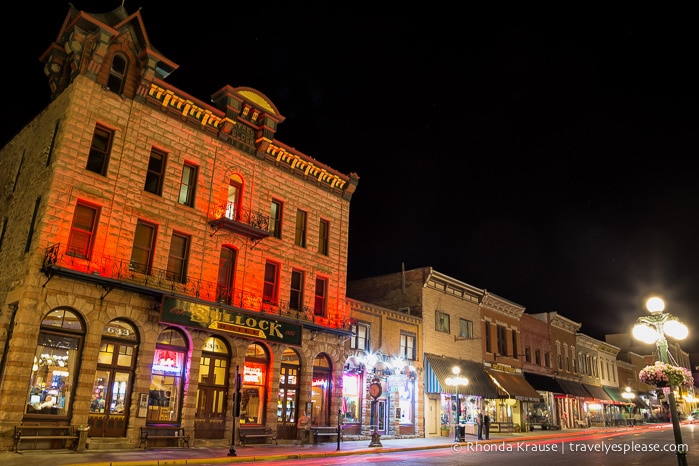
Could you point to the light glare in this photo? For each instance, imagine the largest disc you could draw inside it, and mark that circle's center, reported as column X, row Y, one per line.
column 645, row 333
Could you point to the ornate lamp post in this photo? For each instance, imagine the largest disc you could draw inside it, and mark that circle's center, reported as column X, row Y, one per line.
column 628, row 396
column 455, row 382
column 652, row 329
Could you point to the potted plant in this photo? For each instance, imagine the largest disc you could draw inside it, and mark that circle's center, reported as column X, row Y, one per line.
column 662, row 375
column 445, row 430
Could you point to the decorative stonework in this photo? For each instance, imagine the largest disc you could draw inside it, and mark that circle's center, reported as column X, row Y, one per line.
column 502, row 306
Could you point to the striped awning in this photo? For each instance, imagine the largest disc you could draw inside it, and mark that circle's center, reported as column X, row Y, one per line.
column 438, row 368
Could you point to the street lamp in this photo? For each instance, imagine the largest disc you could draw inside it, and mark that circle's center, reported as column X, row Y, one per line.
column 628, row 396
column 455, row 382
column 652, row 329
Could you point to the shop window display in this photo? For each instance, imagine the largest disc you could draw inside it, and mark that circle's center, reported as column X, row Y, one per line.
column 254, row 381
column 55, row 364
column 164, row 402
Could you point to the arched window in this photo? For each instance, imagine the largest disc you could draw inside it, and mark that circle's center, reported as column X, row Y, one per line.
column 54, row 373
column 117, row 74
column 167, row 377
column 287, row 406
column 254, row 385
column 235, row 192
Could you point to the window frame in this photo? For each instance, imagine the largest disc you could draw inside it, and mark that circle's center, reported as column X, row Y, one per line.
column 408, row 352
column 149, row 250
column 324, row 237
column 440, row 317
column 468, row 331
column 320, row 301
column 86, row 252
column 188, row 183
column 155, row 176
column 270, row 286
column 296, row 289
column 275, row 218
column 117, row 77
column 178, row 259
column 357, row 341
column 300, row 230
column 98, row 157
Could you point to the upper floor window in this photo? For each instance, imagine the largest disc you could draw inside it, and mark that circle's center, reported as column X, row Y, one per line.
column 320, row 305
column 547, row 359
column 465, row 328
column 323, row 237
column 407, row 346
column 270, row 288
column 188, row 185
column 441, row 321
column 117, row 74
column 143, row 247
column 515, row 348
column 502, row 340
column 235, row 189
column 82, row 230
column 528, row 354
column 100, row 149
column 488, row 341
column 178, row 258
column 296, row 293
column 537, row 357
column 275, row 219
column 300, row 237
column 360, row 337
column 156, row 172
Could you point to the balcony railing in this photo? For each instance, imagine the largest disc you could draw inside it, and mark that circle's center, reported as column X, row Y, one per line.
column 238, row 219
column 113, row 273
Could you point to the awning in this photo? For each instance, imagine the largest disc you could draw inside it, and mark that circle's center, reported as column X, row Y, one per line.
column 573, row 388
column 616, row 394
column 597, row 392
column 543, row 383
column 438, row 368
column 640, row 403
column 514, row 385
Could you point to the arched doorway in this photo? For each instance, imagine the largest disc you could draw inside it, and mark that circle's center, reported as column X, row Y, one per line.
column 288, row 402
column 210, row 417
column 111, row 387
column 253, row 401
column 321, row 388
column 167, row 377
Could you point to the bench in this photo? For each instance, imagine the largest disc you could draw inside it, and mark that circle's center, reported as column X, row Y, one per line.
column 56, row 436
column 324, row 431
column 543, row 426
column 173, row 434
column 246, row 433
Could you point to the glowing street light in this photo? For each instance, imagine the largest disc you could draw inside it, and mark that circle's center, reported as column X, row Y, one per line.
column 455, row 382
column 652, row 329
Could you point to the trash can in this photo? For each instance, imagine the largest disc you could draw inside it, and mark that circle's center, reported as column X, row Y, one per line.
column 82, row 438
column 461, row 433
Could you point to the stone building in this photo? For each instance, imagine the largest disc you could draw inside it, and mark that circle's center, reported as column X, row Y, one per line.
column 156, row 248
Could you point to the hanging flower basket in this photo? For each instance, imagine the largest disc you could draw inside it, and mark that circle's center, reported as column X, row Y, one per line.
column 664, row 375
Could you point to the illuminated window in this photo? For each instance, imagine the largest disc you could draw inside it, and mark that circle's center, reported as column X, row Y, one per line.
column 212, row 389
column 300, row 238
column 143, row 246
column 407, row 346
column 167, row 377
column 100, row 149
column 156, row 172
column 320, row 303
column 323, row 237
column 56, row 362
column 296, row 293
column 252, row 405
column 441, row 321
column 188, row 185
column 275, row 219
column 82, row 230
column 178, row 258
column 117, row 74
column 270, row 289
column 360, row 336
column 235, row 187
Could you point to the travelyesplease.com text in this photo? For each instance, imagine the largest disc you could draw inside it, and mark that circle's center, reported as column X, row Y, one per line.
column 563, row 447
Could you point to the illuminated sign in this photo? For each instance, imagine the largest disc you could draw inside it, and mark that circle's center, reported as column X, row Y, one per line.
column 251, row 325
column 252, row 375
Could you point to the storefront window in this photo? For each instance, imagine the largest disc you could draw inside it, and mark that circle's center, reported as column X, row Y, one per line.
column 55, row 364
column 406, row 390
column 254, row 383
column 320, row 391
column 351, row 399
column 164, row 400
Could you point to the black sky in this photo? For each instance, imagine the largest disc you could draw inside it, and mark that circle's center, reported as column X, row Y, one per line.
column 549, row 161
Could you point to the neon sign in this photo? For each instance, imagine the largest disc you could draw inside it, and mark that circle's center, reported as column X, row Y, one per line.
column 252, row 375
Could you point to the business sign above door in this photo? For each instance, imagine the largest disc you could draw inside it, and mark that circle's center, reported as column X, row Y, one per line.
column 177, row 311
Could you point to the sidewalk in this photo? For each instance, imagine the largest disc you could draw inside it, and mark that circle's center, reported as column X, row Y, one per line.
column 256, row 453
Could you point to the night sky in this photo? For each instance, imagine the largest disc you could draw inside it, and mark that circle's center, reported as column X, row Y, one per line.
column 547, row 161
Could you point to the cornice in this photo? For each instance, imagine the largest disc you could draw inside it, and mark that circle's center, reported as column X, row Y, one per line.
column 501, row 305
column 563, row 323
